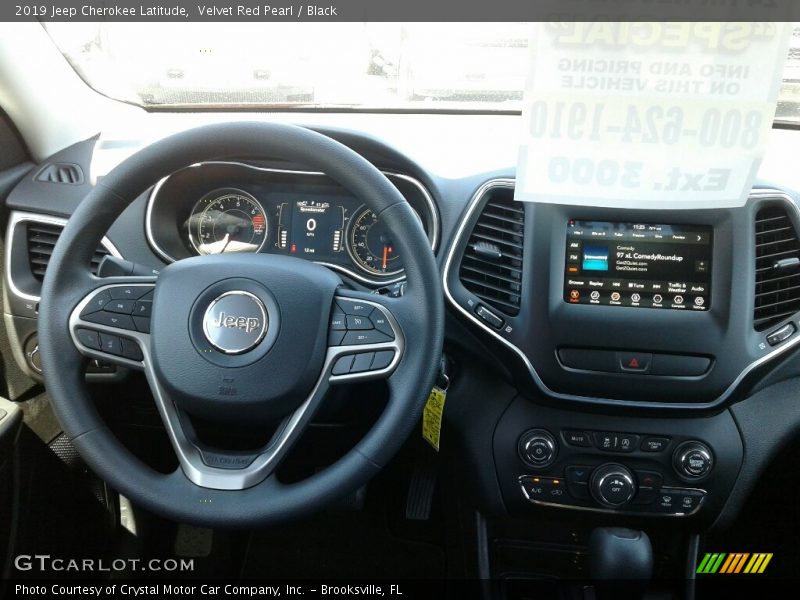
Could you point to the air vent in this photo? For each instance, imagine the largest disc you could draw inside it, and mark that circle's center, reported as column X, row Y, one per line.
column 61, row 173
column 777, row 268
column 492, row 264
column 42, row 239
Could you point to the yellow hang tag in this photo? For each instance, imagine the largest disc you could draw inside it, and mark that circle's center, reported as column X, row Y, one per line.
column 432, row 417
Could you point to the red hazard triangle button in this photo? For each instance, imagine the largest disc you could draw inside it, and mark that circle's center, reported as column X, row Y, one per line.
column 634, row 362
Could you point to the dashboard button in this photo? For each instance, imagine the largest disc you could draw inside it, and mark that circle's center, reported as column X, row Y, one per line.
column 693, row 460
column 588, row 360
column 89, row 338
column 654, row 444
column 111, row 320
column 605, row 441
column 370, row 336
column 578, row 474
column 537, row 448
column 782, row 334
column 111, row 344
column 678, row 365
column 627, row 442
column 488, row 316
column 355, row 322
column 577, row 438
column 342, row 366
column 97, row 302
column 382, row 360
column 649, row 479
column 362, row 362
column 123, row 307
column 634, row 362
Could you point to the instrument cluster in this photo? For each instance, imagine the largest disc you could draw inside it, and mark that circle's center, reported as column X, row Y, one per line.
column 217, row 207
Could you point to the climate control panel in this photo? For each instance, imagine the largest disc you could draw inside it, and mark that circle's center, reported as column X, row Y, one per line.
column 614, row 464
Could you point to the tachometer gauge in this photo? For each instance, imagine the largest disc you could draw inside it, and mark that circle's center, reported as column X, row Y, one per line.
column 370, row 244
column 227, row 220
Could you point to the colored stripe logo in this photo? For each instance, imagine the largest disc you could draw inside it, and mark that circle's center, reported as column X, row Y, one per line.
column 735, row 562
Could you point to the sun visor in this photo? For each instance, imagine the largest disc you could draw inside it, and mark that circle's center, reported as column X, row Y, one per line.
column 637, row 114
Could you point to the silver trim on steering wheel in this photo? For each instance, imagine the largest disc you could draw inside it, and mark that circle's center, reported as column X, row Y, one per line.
column 260, row 463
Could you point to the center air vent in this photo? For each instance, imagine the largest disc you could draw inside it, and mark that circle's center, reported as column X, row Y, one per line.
column 492, row 264
column 42, row 239
column 777, row 268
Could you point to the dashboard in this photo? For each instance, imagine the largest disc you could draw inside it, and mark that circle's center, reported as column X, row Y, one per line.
column 640, row 338
column 216, row 207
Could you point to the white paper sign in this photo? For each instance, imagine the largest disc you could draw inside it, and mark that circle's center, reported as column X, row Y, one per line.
column 670, row 115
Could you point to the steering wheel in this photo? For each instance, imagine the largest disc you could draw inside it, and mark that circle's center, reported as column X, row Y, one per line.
column 238, row 339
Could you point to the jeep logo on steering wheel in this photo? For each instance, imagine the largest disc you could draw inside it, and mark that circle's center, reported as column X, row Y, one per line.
column 235, row 322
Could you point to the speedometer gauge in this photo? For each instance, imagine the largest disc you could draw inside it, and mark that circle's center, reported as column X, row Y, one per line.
column 370, row 244
column 227, row 220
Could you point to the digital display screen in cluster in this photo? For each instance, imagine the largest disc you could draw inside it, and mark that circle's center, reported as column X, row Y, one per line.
column 639, row 265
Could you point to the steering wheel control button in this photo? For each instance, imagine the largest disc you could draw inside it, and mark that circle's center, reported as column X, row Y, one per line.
column 97, row 303
column 634, row 362
column 129, row 292
column 654, row 444
column 123, row 307
column 382, row 360
column 143, row 308
column 370, row 336
column 338, row 321
column 489, row 317
column 111, row 320
column 111, row 344
column 693, row 460
column 131, row 350
column 612, row 485
column 342, row 365
column 355, row 322
column 362, row 362
column 781, row 335
column 235, row 322
column 335, row 337
column 577, row 438
column 142, row 324
column 381, row 323
column 354, row 307
column 537, row 448
column 89, row 338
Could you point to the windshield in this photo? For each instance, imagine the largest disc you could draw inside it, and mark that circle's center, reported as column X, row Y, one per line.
column 373, row 66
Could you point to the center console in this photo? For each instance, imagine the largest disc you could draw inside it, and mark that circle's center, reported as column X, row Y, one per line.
column 637, row 466
column 627, row 333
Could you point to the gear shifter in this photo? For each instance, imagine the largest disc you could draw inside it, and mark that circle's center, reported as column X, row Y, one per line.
column 620, row 562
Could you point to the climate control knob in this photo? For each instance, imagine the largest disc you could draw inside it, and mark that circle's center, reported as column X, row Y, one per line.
column 612, row 485
column 693, row 460
column 537, row 448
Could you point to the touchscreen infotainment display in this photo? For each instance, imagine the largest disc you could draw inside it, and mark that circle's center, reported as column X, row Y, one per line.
column 638, row 265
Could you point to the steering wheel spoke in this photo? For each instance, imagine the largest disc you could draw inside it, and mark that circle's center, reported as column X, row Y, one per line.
column 112, row 322
column 221, row 469
column 365, row 340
